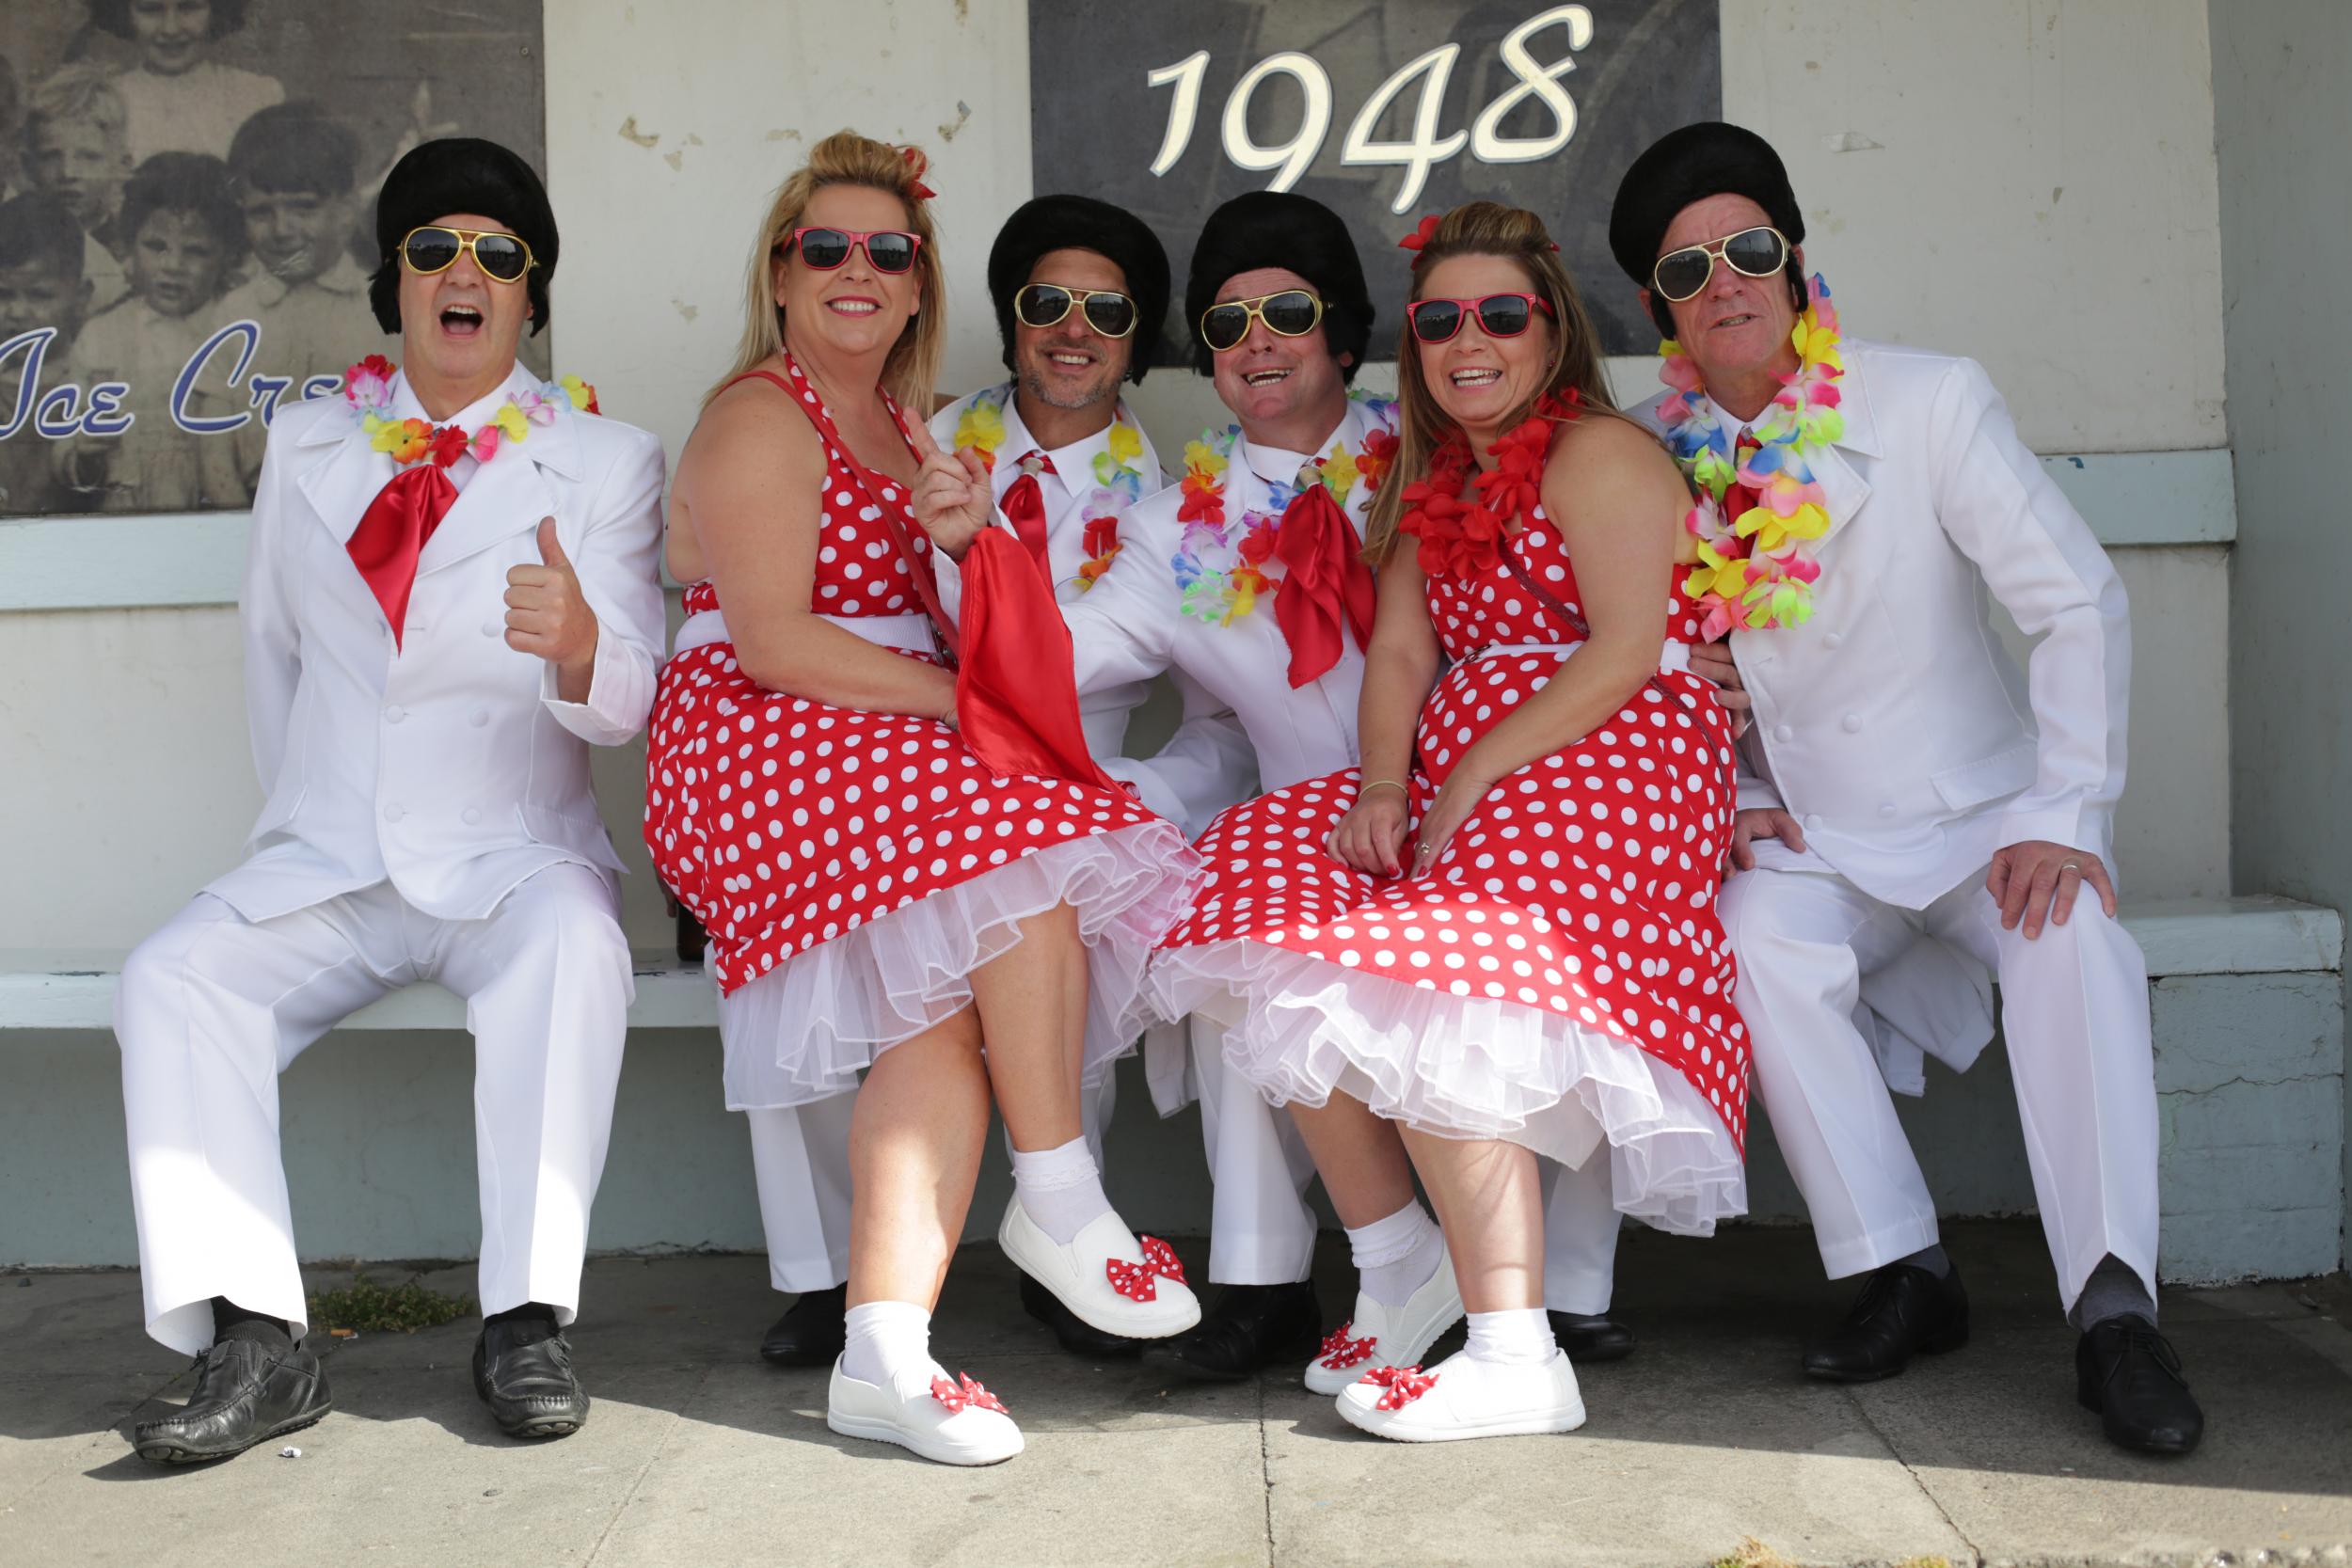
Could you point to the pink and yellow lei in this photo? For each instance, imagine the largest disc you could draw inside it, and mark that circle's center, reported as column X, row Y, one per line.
column 1756, row 569
column 368, row 388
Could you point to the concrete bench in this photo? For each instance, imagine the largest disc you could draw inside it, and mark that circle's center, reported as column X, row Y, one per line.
column 2246, row 997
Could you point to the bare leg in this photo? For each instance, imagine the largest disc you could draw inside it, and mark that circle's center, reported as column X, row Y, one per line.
column 914, row 1151
column 1032, row 1006
column 1361, row 1156
column 1490, row 1199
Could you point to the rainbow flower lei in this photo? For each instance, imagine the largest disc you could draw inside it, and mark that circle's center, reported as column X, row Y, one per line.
column 368, row 388
column 1221, row 597
column 1118, row 478
column 1756, row 570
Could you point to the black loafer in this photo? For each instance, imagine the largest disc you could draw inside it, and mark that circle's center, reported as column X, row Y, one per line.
column 1077, row 1335
column 1589, row 1338
column 810, row 1333
column 2128, row 1373
column 1904, row 1309
column 523, row 1372
column 246, row 1392
column 1251, row 1327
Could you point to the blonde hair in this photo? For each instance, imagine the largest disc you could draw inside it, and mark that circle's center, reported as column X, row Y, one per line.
column 846, row 158
column 1485, row 228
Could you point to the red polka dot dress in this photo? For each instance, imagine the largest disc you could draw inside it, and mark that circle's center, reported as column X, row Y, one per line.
column 1559, row 978
column 853, row 868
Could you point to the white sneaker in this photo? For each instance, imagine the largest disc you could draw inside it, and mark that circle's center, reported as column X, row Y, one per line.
column 1381, row 1336
column 1113, row 1282
column 954, row 1422
column 1462, row 1398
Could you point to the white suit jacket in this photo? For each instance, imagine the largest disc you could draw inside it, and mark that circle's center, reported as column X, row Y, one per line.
column 446, row 764
column 1205, row 766
column 1135, row 621
column 1894, row 724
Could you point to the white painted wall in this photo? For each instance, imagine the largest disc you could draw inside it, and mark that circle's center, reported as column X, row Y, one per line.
column 124, row 773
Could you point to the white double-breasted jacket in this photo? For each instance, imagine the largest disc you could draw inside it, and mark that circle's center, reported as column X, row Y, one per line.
column 447, row 764
column 1893, row 724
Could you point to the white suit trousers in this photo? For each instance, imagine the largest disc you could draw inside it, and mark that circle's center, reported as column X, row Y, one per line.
column 213, row 1008
column 2074, row 1010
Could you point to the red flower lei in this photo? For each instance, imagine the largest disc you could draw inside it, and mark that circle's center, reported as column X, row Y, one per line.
column 1464, row 538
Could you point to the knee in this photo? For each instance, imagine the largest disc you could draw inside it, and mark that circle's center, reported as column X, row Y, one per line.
column 153, row 986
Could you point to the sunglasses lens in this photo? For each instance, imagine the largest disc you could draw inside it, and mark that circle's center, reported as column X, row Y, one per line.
column 501, row 256
column 1757, row 252
column 1223, row 325
column 1683, row 274
column 1435, row 320
column 824, row 248
column 1112, row 315
column 1502, row 315
column 891, row 252
column 1293, row 312
column 431, row 249
column 1040, row 304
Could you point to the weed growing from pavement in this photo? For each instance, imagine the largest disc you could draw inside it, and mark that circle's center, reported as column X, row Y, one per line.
column 365, row 1307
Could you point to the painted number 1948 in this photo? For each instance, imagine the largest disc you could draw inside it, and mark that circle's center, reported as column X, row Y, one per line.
column 1485, row 137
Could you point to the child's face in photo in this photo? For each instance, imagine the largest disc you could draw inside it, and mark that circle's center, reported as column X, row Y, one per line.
column 296, row 234
column 172, row 33
column 85, row 163
column 41, row 292
column 176, row 263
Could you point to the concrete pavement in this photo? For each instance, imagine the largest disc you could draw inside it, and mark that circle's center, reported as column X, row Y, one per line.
column 696, row 1454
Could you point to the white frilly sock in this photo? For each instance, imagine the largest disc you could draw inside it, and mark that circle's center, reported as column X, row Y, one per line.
column 882, row 1337
column 1061, row 1189
column 1396, row 1256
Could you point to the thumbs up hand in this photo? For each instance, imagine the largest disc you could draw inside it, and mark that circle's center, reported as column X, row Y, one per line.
column 547, row 616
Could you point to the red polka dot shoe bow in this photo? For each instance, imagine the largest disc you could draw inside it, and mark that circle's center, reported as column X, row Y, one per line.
column 1338, row 1352
column 1140, row 1281
column 958, row 1397
column 1404, row 1384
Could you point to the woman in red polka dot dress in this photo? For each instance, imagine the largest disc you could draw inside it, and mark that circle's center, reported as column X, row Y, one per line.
column 880, row 900
column 1498, row 937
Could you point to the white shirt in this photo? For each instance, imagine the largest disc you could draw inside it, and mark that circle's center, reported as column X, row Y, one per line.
column 1164, row 604
column 1205, row 766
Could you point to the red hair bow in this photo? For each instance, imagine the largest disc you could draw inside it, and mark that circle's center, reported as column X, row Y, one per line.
column 917, row 165
column 1421, row 236
column 1140, row 1281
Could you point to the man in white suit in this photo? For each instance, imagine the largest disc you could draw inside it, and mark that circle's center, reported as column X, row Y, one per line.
column 1080, row 288
column 452, row 593
column 1915, row 815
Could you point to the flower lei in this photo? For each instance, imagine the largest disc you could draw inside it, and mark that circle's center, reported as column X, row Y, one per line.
column 1465, row 537
column 1756, row 570
column 368, row 388
column 1118, row 480
column 1222, row 597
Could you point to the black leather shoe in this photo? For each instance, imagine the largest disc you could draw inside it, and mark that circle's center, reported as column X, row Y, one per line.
column 1077, row 1335
column 1902, row 1309
column 246, row 1392
column 523, row 1372
column 810, row 1333
column 2127, row 1371
column 1588, row 1339
column 1251, row 1327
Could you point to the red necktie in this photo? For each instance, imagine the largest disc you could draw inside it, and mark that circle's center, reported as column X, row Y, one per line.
column 1024, row 508
column 392, row 535
column 1739, row 499
column 1324, row 583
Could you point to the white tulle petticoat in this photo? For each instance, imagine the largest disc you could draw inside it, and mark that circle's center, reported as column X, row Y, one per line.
column 1301, row 1028
column 805, row 1029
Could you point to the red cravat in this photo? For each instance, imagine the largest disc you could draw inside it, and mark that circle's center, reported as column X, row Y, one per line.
column 1024, row 508
column 1016, row 692
column 392, row 535
column 1326, row 585
column 1739, row 499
